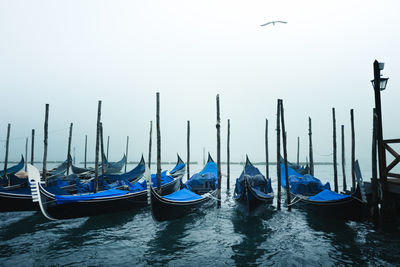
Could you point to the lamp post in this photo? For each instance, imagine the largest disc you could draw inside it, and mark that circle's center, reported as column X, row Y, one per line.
column 379, row 84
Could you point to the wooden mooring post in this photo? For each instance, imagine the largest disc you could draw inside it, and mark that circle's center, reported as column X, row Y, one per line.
column 310, row 147
column 46, row 128
column 150, row 137
column 32, row 146
column 228, row 156
column 96, row 161
column 85, row 151
column 285, row 155
column 278, row 154
column 266, row 150
column 126, row 152
column 102, row 149
column 188, row 150
column 108, row 146
column 335, row 175
column 298, row 149
column 343, row 162
column 353, row 152
column 6, row 157
column 69, row 148
column 26, row 154
column 158, row 142
column 218, row 126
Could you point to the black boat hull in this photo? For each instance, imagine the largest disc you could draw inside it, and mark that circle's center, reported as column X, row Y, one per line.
column 166, row 210
column 16, row 202
column 99, row 206
column 251, row 201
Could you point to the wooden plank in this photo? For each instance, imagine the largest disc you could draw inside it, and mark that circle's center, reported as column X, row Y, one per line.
column 391, row 150
column 394, row 175
column 387, row 141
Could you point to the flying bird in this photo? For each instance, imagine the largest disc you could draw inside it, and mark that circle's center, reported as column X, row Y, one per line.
column 273, row 22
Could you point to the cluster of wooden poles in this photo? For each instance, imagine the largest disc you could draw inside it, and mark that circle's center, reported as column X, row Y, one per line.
column 281, row 134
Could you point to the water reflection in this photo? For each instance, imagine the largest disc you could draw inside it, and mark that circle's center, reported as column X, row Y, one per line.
column 254, row 231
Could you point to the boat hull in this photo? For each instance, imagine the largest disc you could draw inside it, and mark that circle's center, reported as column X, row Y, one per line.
column 166, row 210
column 99, row 206
column 16, row 200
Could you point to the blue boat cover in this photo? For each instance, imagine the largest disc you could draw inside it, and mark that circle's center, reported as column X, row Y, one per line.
column 260, row 185
column 131, row 175
column 177, row 167
column 327, row 195
column 302, row 184
column 207, row 175
column 16, row 168
column 182, row 195
column 62, row 199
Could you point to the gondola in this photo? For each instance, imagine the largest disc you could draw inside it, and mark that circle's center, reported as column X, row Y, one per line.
column 297, row 167
column 128, row 196
column 252, row 189
column 12, row 170
column 109, row 167
column 317, row 198
column 198, row 190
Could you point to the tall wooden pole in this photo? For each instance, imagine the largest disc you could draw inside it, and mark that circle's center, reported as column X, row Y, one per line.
column 32, row 146
column 102, row 149
column 6, row 158
column 285, row 155
column 228, row 156
column 73, row 160
column 353, row 151
column 335, row 176
column 310, row 147
column 266, row 150
column 343, row 162
column 204, row 156
column 46, row 128
column 150, row 137
column 108, row 145
column 218, row 126
column 298, row 150
column 278, row 153
column 26, row 154
column 158, row 144
column 69, row 148
column 85, row 151
column 96, row 161
column 126, row 152
column 374, row 182
column 188, row 150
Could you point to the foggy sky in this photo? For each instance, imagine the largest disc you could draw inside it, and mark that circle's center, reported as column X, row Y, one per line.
column 71, row 54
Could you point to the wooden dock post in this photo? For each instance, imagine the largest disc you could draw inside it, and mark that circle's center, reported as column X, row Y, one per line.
column 6, row 158
column 228, row 156
column 285, row 155
column 150, row 137
column 96, row 161
column 188, row 150
column 278, row 154
column 335, row 175
column 32, row 147
column 102, row 149
column 108, row 145
column 74, row 158
column 310, row 147
column 218, row 126
column 85, row 151
column 353, row 152
column 204, row 156
column 69, row 148
column 158, row 143
column 298, row 149
column 343, row 162
column 266, row 150
column 126, row 152
column 26, row 154
column 46, row 128
column 374, row 180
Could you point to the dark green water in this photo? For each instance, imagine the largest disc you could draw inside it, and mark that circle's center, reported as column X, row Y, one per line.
column 211, row 237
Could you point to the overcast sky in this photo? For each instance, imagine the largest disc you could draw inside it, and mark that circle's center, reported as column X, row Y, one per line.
column 71, row 54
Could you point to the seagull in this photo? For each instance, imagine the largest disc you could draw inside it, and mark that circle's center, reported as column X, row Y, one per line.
column 273, row 22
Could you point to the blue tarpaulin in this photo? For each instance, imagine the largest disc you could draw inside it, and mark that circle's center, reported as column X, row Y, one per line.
column 62, row 199
column 182, row 195
column 327, row 195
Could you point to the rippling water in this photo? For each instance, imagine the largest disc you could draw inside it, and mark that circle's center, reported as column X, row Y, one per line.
column 212, row 236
